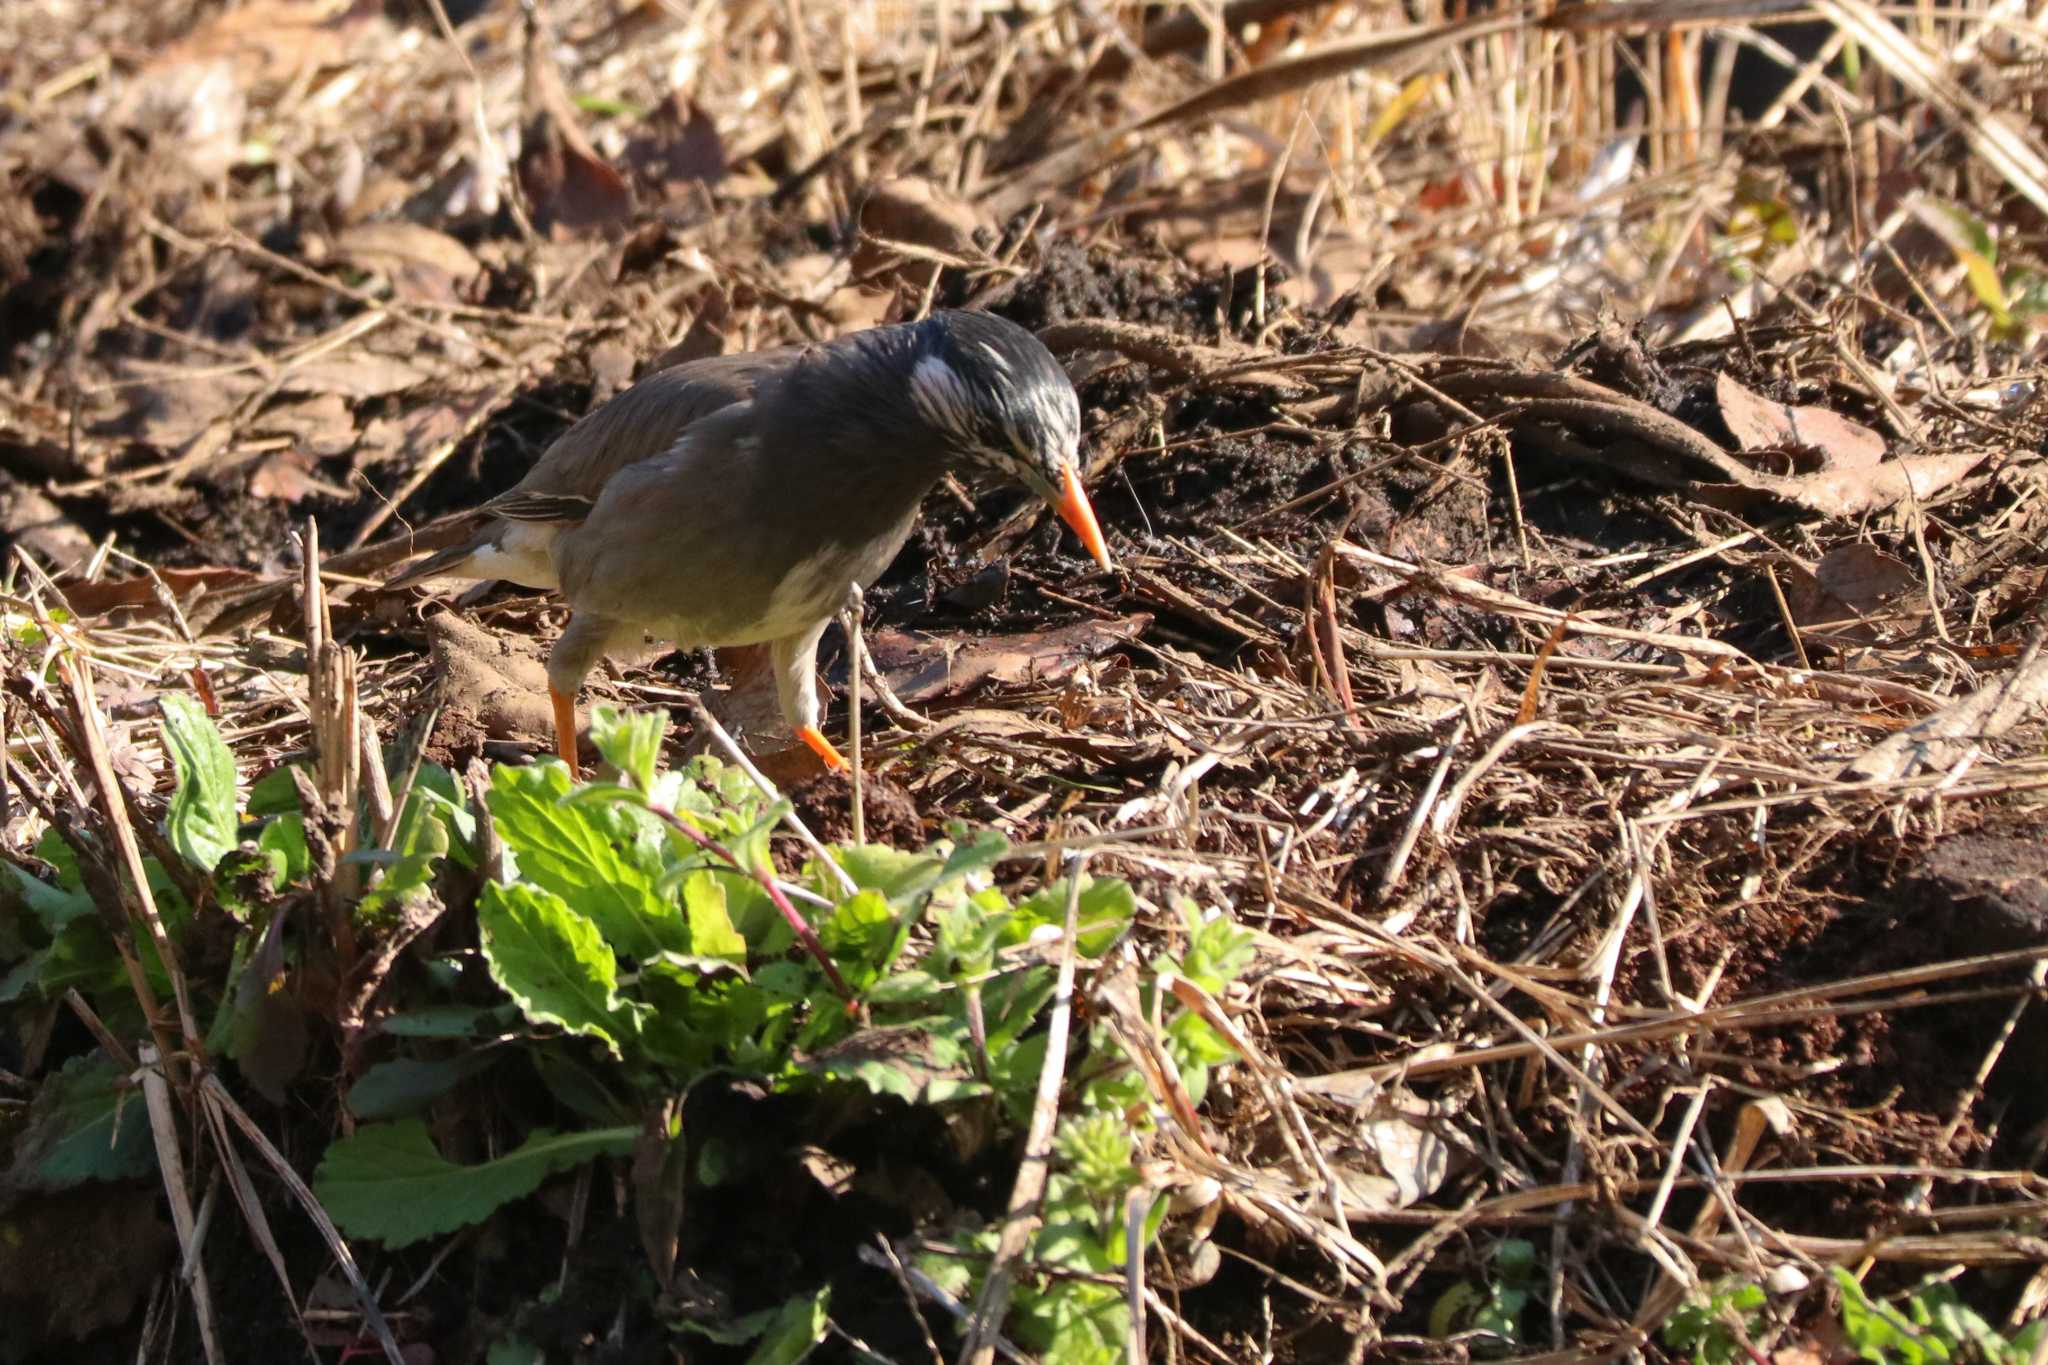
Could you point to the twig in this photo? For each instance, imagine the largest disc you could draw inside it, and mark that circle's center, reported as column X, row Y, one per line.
column 746, row 765
column 765, row 877
column 163, row 1125
column 855, row 603
column 1020, row 1221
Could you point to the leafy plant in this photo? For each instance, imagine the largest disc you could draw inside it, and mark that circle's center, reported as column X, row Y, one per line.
column 1070, row 1306
column 236, row 858
column 1718, row 1329
column 1491, row 1307
column 641, row 925
column 1930, row 1324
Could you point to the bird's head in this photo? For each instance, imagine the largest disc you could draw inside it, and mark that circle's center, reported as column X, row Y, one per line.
column 1004, row 406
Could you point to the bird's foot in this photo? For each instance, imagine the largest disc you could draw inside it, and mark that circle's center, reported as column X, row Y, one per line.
column 565, row 730
column 822, row 747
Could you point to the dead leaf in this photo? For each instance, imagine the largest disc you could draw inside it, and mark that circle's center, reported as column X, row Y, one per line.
column 29, row 520
column 122, row 594
column 569, row 188
column 1865, row 577
column 364, row 375
column 914, row 213
column 706, row 334
column 424, row 428
column 175, row 405
column 1761, row 424
column 420, row 262
column 611, row 366
column 320, row 426
column 288, row 476
column 925, row 667
column 1853, row 588
column 35, row 443
column 1012, row 729
column 271, row 40
column 678, row 146
column 1949, row 736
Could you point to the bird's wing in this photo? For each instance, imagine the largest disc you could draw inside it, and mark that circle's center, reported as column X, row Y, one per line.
column 519, row 504
column 641, row 423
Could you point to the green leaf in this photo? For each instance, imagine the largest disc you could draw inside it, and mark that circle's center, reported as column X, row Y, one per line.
column 630, row 741
column 798, row 1326
column 711, row 931
column 553, row 962
column 594, row 856
column 283, row 840
column 53, row 906
column 275, row 793
column 202, row 816
column 84, row 1125
column 435, row 790
column 1107, row 905
column 515, row 1351
column 389, row 1183
column 571, row 1079
column 1218, row 951
column 905, row 988
column 417, row 847
column 407, row 1085
column 859, row 930
column 891, row 871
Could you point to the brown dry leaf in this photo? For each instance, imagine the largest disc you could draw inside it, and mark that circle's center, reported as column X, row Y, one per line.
column 197, row 90
column 1852, row 587
column 924, row 668
column 1865, row 577
column 34, row 444
column 424, row 428
column 420, row 262
column 1851, row 478
column 1009, row 728
column 288, row 476
column 31, row 521
column 914, row 213
column 364, row 375
column 271, row 40
column 1759, row 423
column 611, row 368
column 176, row 405
column 320, row 426
column 569, row 188
column 186, row 585
column 1798, row 1355
column 678, row 145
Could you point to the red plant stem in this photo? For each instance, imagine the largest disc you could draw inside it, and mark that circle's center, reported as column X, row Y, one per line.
column 804, row 932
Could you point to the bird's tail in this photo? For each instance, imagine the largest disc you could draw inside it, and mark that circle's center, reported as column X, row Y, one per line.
column 452, row 562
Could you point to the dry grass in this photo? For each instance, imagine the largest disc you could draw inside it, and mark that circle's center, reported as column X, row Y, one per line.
column 1579, row 798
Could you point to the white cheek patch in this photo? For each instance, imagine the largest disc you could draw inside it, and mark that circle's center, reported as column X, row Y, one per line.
column 941, row 397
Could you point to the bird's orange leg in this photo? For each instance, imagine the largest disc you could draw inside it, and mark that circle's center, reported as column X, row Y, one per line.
column 822, row 747
column 565, row 728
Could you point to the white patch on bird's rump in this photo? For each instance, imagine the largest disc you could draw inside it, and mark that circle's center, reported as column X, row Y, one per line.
column 523, row 555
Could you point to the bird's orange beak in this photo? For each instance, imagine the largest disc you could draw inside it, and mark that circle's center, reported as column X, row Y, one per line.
column 1074, row 511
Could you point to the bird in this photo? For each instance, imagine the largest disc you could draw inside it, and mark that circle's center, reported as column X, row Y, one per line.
column 738, row 499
